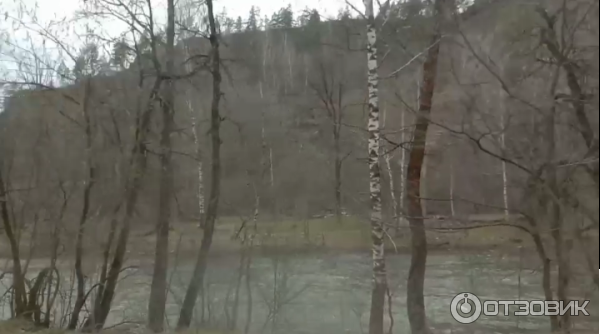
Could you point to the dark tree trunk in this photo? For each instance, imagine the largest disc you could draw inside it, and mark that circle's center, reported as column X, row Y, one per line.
column 546, row 275
column 20, row 292
column 87, row 192
column 158, row 291
column 197, row 281
column 136, row 173
column 578, row 97
column 415, row 298
column 337, row 172
column 542, row 253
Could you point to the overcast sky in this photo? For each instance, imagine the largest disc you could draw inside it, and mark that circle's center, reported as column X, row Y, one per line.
column 47, row 11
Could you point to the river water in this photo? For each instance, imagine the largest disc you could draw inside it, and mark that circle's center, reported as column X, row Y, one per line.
column 330, row 294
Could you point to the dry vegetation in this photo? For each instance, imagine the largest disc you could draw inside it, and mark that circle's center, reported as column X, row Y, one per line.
column 213, row 135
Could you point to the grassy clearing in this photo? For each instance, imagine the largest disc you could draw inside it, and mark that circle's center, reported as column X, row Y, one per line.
column 284, row 233
column 352, row 234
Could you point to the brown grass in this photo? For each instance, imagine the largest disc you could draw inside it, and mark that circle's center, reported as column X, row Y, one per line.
column 353, row 234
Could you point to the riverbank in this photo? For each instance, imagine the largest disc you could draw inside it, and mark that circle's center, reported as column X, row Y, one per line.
column 322, row 235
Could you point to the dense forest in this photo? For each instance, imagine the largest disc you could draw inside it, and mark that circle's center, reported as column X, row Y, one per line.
column 401, row 119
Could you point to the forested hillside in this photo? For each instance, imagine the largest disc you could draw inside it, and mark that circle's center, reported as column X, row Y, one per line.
column 396, row 121
column 277, row 79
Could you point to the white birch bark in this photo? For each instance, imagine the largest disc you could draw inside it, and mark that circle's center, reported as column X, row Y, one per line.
column 289, row 59
column 373, row 147
column 377, row 231
column 271, row 171
column 502, row 103
column 305, row 73
column 265, row 53
column 452, row 208
column 199, row 166
column 198, row 146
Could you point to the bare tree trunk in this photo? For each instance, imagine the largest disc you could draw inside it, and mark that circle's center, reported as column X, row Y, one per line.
column 452, row 208
column 20, row 297
column 560, row 233
column 200, row 170
column 158, row 290
column 249, row 258
column 250, row 299
column 380, row 284
column 271, row 170
column 563, row 251
column 289, row 59
column 87, row 191
column 333, row 103
column 137, row 171
column 401, row 214
column 416, row 278
column 51, row 298
column 337, row 170
column 578, row 98
column 305, row 72
column 112, row 232
column 187, row 309
column 546, row 268
column 504, row 172
column 388, row 158
column 555, row 211
column 423, row 191
column 546, row 278
column 236, row 300
column 200, row 167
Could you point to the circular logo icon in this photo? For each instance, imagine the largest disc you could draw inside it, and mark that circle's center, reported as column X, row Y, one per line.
column 466, row 308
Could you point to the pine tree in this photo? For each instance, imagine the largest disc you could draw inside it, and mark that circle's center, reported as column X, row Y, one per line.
column 238, row 24
column 252, row 24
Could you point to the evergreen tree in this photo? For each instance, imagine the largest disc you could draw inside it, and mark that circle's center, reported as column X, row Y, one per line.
column 89, row 62
column 343, row 14
column 252, row 24
column 238, row 24
column 310, row 36
column 120, row 55
column 310, row 17
column 284, row 18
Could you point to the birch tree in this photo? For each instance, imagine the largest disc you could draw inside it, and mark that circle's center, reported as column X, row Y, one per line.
column 380, row 285
column 187, row 15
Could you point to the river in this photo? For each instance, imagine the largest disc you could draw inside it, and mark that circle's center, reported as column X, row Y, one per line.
column 330, row 294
